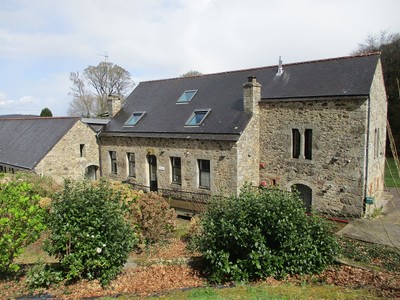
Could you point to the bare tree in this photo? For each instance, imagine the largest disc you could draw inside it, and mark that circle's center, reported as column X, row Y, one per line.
column 90, row 89
column 376, row 42
column 389, row 46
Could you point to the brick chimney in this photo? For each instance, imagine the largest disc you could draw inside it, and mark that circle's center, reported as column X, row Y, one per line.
column 114, row 104
column 251, row 95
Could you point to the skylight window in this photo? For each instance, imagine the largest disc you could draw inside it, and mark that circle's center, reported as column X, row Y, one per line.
column 197, row 117
column 134, row 118
column 187, row 96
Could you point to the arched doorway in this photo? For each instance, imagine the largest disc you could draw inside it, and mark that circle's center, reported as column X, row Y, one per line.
column 305, row 194
column 91, row 172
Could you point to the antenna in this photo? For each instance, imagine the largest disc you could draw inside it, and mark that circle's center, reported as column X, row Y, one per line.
column 105, row 55
column 280, row 68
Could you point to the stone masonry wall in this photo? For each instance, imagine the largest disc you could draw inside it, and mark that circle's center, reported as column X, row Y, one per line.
column 335, row 172
column 248, row 146
column 376, row 141
column 65, row 161
column 222, row 156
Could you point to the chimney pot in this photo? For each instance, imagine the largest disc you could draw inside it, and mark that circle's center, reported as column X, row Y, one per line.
column 251, row 79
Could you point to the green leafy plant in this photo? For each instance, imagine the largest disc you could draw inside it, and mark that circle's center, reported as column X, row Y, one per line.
column 261, row 234
column 42, row 275
column 21, row 221
column 88, row 231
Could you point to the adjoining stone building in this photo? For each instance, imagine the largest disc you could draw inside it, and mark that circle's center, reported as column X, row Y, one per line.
column 317, row 126
column 62, row 148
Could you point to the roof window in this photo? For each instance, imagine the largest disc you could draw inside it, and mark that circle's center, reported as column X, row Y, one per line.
column 197, row 117
column 186, row 96
column 134, row 118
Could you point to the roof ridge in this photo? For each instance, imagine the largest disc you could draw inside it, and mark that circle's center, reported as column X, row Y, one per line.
column 268, row 67
column 40, row 118
column 332, row 59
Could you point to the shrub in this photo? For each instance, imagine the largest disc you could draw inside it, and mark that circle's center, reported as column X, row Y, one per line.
column 261, row 234
column 42, row 275
column 42, row 185
column 149, row 213
column 88, row 231
column 21, row 221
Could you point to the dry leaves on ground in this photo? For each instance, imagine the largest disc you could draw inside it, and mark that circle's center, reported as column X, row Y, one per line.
column 157, row 278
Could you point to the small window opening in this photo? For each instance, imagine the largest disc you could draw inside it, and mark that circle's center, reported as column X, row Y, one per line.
column 204, row 173
column 113, row 159
column 186, row 96
column 308, row 144
column 176, row 170
column 131, row 164
column 82, row 150
column 197, row 117
column 134, row 118
column 295, row 143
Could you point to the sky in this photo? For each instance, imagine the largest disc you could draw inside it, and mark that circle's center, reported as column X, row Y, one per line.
column 42, row 41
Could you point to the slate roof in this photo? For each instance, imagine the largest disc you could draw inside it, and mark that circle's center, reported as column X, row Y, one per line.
column 223, row 94
column 25, row 141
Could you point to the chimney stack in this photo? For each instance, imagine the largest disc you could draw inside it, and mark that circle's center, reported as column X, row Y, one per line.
column 114, row 105
column 251, row 95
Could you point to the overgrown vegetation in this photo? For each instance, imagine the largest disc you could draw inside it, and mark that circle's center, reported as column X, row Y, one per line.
column 21, row 221
column 150, row 213
column 88, row 232
column 392, row 178
column 42, row 275
column 382, row 256
column 261, row 234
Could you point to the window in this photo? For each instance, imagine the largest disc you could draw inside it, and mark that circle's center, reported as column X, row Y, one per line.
column 302, row 143
column 377, row 143
column 82, row 150
column 197, row 117
column 134, row 118
column 2, row 169
column 113, row 159
column 308, row 143
column 204, row 173
column 295, row 143
column 131, row 164
column 186, row 96
column 176, row 170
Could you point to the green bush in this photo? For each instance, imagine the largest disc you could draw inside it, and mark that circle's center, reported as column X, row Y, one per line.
column 42, row 275
column 88, row 231
column 261, row 234
column 21, row 221
column 42, row 185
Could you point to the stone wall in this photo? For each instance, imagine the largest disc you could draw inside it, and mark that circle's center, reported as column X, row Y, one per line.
column 64, row 160
column 222, row 156
column 248, row 146
column 376, row 141
column 335, row 172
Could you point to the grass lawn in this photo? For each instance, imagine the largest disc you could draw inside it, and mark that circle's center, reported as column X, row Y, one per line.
column 392, row 178
column 265, row 291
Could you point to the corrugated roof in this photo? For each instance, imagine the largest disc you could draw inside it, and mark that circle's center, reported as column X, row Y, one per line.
column 25, row 141
column 223, row 94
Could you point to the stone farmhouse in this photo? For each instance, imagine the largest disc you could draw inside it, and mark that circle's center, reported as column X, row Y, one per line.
column 57, row 147
column 317, row 126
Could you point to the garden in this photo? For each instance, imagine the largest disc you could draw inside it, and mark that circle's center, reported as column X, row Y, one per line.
column 105, row 240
